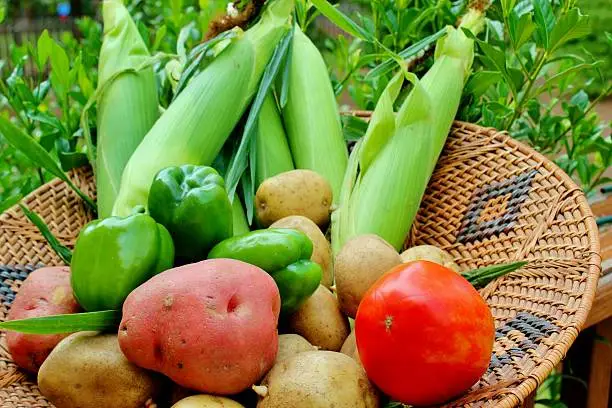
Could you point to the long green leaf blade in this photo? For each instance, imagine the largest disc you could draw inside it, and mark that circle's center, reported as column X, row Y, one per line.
column 342, row 20
column 239, row 162
column 570, row 26
column 482, row 276
column 64, row 253
column 69, row 323
column 411, row 51
column 37, row 154
column 545, row 21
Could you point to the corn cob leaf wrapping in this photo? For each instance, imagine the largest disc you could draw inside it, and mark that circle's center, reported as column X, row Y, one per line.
column 196, row 125
column 391, row 168
column 273, row 154
column 127, row 100
column 311, row 115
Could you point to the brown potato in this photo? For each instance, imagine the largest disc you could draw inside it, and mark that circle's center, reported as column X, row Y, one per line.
column 88, row 370
column 350, row 347
column 429, row 253
column 320, row 321
column 207, row 401
column 321, row 253
column 290, row 345
column 317, row 379
column 296, row 192
column 360, row 262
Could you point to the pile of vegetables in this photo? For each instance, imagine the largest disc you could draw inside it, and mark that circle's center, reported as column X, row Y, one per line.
column 211, row 238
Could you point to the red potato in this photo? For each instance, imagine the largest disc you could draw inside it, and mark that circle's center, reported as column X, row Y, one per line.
column 209, row 326
column 45, row 292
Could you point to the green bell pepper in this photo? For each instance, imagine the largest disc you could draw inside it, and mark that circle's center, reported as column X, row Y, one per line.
column 296, row 283
column 284, row 254
column 192, row 203
column 114, row 256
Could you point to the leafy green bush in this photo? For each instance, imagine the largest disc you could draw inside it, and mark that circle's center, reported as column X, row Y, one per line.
column 48, row 105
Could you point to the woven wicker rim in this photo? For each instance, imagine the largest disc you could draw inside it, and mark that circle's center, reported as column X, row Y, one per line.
column 508, row 384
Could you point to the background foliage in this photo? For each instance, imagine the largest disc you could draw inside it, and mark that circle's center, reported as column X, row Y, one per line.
column 519, row 83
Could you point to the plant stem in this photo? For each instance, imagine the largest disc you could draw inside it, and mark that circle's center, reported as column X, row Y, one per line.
column 591, row 106
column 41, row 176
column 518, row 110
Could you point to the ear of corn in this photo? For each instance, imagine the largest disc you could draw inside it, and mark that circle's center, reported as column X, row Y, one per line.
column 273, row 154
column 392, row 166
column 311, row 115
column 197, row 123
column 127, row 100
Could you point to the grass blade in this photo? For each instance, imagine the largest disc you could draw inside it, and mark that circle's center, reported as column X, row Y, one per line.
column 69, row 323
column 284, row 92
column 342, row 21
column 64, row 253
column 411, row 51
column 38, row 155
column 482, row 276
column 238, row 163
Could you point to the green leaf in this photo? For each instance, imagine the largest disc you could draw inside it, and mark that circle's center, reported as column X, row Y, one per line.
column 545, row 21
column 411, row 51
column 520, row 28
column 159, row 37
column 48, row 119
column 609, row 36
column 498, row 59
column 45, row 49
column 354, row 128
column 64, row 253
column 507, row 6
column 482, row 276
column 570, row 26
column 517, row 77
column 481, row 81
column 284, row 92
column 60, row 71
column 580, row 100
column 38, row 155
column 559, row 76
column 68, row 323
column 72, row 160
column 9, row 202
column 342, row 21
column 85, row 83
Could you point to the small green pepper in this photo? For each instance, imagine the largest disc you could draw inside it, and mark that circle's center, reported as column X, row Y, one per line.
column 296, row 283
column 284, row 254
column 269, row 249
column 192, row 203
column 114, row 256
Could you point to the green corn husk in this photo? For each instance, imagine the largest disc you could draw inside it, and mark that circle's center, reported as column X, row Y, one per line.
column 389, row 170
column 197, row 123
column 311, row 115
column 272, row 149
column 127, row 100
column 241, row 226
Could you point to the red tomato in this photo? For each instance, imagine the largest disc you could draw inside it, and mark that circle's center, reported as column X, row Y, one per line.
column 424, row 334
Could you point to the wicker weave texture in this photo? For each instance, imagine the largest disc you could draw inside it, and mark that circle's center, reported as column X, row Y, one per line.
column 490, row 200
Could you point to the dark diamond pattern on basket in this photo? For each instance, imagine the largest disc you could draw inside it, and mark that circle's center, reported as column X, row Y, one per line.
column 494, row 208
column 533, row 328
column 8, row 276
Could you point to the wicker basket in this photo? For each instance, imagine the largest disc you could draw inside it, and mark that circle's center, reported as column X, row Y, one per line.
column 490, row 200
